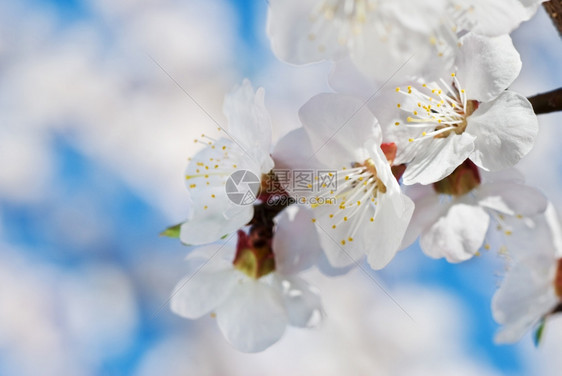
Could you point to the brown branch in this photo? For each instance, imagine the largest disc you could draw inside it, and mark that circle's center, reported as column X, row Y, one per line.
column 547, row 102
column 554, row 9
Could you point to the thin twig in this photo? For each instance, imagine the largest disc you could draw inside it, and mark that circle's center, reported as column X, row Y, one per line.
column 554, row 10
column 547, row 102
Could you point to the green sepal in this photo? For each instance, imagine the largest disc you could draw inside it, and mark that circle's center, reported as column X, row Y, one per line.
column 539, row 332
column 172, row 231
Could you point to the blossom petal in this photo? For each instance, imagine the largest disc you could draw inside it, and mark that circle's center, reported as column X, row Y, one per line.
column 428, row 208
column 345, row 78
column 253, row 317
column 249, row 123
column 340, row 252
column 487, row 66
column 458, row 235
column 438, row 158
column 505, row 131
column 210, row 225
column 197, row 295
column 295, row 244
column 526, row 294
column 337, row 124
column 401, row 52
column 302, row 301
column 493, row 18
column 294, row 151
column 387, row 230
column 293, row 36
column 511, row 198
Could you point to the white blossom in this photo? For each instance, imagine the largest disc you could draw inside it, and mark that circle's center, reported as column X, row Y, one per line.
column 469, row 114
column 378, row 35
column 362, row 210
column 453, row 217
column 383, row 37
column 255, row 291
column 492, row 18
column 532, row 288
column 245, row 147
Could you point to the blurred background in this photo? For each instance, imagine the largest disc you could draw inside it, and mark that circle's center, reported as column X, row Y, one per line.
column 95, row 132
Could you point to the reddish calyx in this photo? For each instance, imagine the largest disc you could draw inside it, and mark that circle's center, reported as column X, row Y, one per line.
column 461, row 181
column 389, row 150
column 254, row 255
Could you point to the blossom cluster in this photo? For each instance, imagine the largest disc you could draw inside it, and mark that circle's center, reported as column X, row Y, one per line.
column 418, row 140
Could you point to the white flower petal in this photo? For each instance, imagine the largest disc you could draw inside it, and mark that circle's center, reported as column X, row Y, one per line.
column 295, row 244
column 438, row 158
column 505, row 131
column 249, row 123
column 493, row 18
column 325, row 267
column 458, row 235
column 253, row 317
column 487, row 66
column 428, row 209
column 210, row 225
column 294, row 38
column 339, row 255
column 551, row 217
column 345, row 78
column 512, row 198
column 198, row 294
column 511, row 175
column 526, row 294
column 337, row 126
column 294, row 151
column 302, row 302
column 384, row 235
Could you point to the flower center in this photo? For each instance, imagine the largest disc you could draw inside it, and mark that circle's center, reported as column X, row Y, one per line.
column 356, row 189
column 437, row 110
